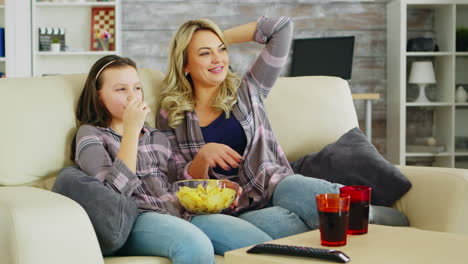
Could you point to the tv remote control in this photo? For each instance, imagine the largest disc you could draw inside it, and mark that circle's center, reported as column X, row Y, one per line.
column 310, row 252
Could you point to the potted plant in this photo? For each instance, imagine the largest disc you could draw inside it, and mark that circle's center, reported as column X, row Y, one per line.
column 462, row 38
column 55, row 45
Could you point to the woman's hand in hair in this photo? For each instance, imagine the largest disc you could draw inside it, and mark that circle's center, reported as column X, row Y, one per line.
column 134, row 115
column 213, row 155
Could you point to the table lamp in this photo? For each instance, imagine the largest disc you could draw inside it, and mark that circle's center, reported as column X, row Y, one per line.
column 422, row 73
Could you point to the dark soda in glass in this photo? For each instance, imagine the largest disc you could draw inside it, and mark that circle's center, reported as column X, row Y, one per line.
column 358, row 217
column 333, row 226
column 358, row 208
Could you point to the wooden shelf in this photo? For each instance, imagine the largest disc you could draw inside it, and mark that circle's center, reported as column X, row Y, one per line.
column 429, row 54
column 365, row 96
column 411, row 104
column 74, row 53
column 73, row 4
column 428, row 154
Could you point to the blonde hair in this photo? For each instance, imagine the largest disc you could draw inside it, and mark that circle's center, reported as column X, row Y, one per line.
column 178, row 96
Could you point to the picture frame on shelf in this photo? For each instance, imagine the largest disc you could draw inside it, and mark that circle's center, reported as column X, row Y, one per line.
column 48, row 35
column 102, row 29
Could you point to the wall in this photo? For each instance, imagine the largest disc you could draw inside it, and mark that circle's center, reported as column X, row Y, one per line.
column 148, row 27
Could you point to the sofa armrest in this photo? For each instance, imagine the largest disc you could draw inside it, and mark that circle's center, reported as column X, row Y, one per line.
column 39, row 226
column 438, row 200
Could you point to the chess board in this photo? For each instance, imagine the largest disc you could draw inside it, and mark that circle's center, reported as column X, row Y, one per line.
column 102, row 18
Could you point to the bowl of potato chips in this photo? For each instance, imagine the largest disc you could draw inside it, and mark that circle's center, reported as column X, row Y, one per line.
column 206, row 196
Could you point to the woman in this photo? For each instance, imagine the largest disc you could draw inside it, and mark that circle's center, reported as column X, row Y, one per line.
column 218, row 127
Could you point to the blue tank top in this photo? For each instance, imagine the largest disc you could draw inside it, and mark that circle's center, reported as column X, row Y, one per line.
column 228, row 132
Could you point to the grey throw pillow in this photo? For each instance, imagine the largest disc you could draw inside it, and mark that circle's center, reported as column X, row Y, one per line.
column 353, row 160
column 112, row 214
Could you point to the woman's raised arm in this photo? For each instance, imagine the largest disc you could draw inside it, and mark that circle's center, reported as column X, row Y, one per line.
column 242, row 33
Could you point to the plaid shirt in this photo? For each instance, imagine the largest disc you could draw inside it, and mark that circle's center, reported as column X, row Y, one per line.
column 150, row 186
column 264, row 163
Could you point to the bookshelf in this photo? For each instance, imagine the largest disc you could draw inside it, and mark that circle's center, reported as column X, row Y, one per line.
column 448, row 118
column 75, row 18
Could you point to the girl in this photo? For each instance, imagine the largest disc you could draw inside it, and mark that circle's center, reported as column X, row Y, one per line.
column 114, row 145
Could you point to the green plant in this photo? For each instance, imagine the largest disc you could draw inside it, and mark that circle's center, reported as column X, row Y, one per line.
column 462, row 38
column 55, row 40
column 462, row 32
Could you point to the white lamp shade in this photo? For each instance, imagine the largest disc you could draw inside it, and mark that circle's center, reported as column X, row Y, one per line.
column 422, row 72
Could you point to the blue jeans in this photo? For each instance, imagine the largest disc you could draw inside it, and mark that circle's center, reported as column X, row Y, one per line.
column 194, row 242
column 293, row 208
column 292, row 211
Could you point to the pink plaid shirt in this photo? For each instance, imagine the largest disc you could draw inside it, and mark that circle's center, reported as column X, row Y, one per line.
column 150, row 186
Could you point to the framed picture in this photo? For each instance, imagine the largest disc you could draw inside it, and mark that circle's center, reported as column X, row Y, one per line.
column 102, row 28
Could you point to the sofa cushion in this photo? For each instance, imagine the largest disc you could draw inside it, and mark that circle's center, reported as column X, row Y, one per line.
column 353, row 160
column 112, row 214
column 303, row 113
column 38, row 121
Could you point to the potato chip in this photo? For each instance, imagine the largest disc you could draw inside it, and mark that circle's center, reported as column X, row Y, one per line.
column 209, row 199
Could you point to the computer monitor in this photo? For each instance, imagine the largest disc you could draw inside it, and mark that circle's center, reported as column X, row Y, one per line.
column 331, row 56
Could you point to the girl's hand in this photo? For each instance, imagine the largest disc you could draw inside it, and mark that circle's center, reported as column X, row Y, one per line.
column 134, row 115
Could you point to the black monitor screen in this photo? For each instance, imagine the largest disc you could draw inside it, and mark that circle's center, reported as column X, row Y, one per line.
column 330, row 56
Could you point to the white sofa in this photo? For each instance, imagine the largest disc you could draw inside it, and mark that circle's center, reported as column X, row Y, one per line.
column 37, row 117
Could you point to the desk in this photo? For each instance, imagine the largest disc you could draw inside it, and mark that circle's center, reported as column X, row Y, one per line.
column 368, row 97
column 382, row 245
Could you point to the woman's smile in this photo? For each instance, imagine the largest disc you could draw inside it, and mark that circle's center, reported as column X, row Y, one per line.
column 217, row 70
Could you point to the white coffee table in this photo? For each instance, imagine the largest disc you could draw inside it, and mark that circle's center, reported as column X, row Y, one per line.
column 383, row 244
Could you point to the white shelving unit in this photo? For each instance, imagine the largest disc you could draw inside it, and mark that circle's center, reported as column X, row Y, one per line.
column 75, row 17
column 16, row 18
column 449, row 118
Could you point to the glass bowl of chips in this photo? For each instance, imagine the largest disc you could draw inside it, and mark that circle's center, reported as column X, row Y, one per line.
column 206, row 196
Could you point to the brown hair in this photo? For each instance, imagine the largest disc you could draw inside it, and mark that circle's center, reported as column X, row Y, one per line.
column 90, row 110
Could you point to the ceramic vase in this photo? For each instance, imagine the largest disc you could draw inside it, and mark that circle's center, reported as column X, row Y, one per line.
column 55, row 47
column 460, row 95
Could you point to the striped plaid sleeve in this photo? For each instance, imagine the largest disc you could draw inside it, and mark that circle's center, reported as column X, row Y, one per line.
column 276, row 33
column 94, row 160
column 180, row 163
